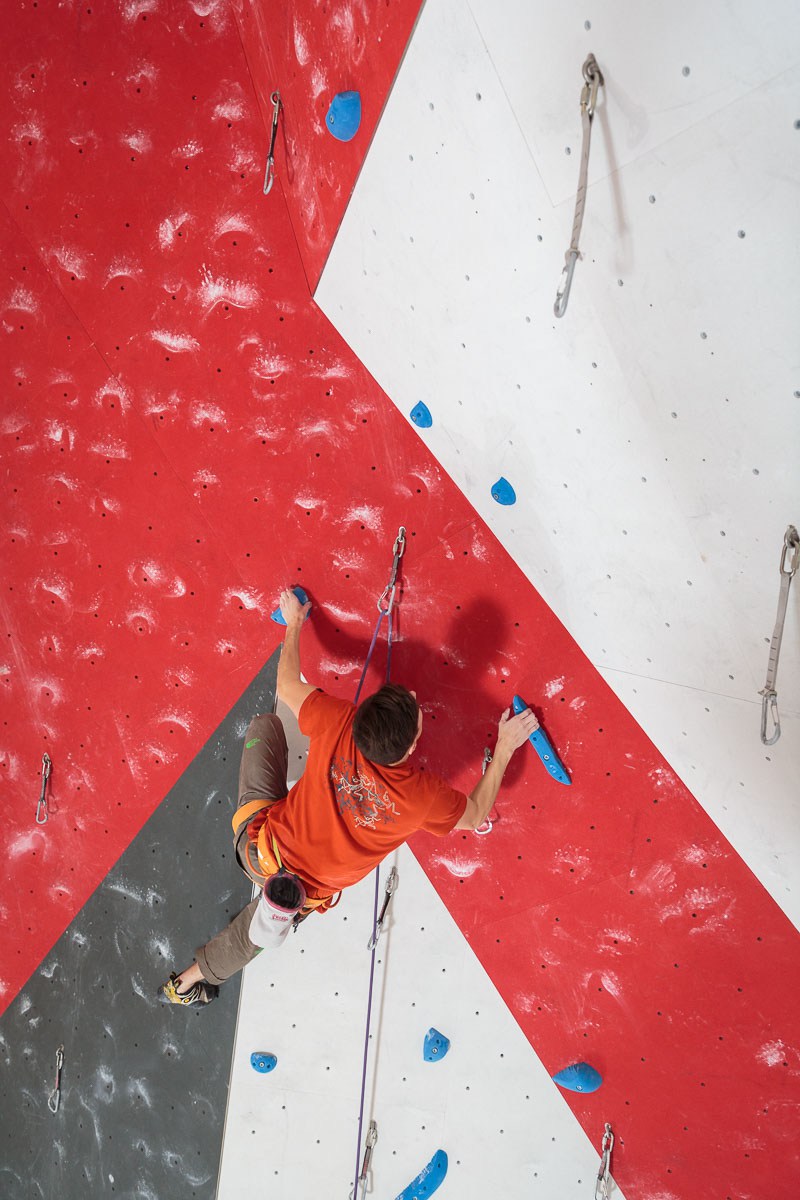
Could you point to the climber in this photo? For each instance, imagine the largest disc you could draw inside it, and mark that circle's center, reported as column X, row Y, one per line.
column 357, row 801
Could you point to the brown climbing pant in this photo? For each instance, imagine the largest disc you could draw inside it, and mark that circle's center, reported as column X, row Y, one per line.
column 262, row 775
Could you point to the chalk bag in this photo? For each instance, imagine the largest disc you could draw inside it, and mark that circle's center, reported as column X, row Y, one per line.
column 282, row 898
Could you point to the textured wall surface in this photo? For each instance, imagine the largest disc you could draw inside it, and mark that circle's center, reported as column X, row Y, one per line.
column 144, row 1087
column 651, row 437
column 309, row 52
column 185, row 433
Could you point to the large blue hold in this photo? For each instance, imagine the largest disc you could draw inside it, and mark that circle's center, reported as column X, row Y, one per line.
column 421, row 415
column 344, row 115
column 277, row 616
column 428, row 1179
column 544, row 748
column 436, row 1046
column 503, row 492
column 580, row 1077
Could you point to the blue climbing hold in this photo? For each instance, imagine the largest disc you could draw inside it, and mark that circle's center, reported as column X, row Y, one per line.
column 344, row 115
column 277, row 616
column 428, row 1179
column 421, row 415
column 580, row 1077
column 263, row 1063
column 436, row 1046
column 503, row 492
column 544, row 748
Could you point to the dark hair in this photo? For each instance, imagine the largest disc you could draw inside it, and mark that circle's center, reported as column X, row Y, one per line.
column 386, row 724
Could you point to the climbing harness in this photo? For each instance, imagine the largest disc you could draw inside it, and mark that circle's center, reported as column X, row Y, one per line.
column 485, row 826
column 386, row 602
column 41, row 808
column 603, row 1186
column 790, row 560
column 363, row 1179
column 593, row 80
column 391, row 887
column 269, row 177
column 54, row 1099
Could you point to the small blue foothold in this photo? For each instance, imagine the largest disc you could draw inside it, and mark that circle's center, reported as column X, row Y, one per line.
column 263, row 1063
column 580, row 1077
column 503, row 492
column 436, row 1046
column 421, row 415
column 344, row 116
column 277, row 616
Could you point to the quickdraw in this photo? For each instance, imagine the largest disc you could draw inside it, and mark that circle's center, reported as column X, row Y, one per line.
column 41, row 808
column 593, row 80
column 269, row 177
column 391, row 888
column 54, row 1099
column 487, row 826
column 362, row 1182
column 602, row 1188
column 790, row 560
column 386, row 602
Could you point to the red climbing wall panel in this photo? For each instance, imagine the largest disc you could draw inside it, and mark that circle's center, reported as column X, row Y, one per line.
column 310, row 50
column 184, row 434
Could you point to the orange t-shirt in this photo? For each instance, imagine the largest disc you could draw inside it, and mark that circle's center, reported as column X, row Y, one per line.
column 346, row 813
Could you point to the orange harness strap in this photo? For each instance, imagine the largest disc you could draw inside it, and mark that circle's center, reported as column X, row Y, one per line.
column 245, row 812
column 269, row 857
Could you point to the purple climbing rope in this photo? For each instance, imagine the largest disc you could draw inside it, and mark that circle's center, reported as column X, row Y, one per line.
column 385, row 607
column 367, row 1032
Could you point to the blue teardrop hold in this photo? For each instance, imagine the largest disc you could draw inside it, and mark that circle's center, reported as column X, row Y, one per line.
column 580, row 1077
column 503, row 492
column 436, row 1046
column 277, row 616
column 263, row 1063
column 344, row 115
column 421, row 415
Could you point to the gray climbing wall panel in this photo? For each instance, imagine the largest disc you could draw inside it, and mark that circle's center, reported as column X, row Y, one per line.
column 144, row 1087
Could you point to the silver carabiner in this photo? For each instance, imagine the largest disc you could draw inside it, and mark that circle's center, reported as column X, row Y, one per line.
column 769, row 707
column 791, row 541
column 601, row 1189
column 386, row 598
column 481, row 831
column 369, row 1147
column 54, row 1099
column 594, row 80
column 269, row 177
column 391, row 888
column 564, row 287
column 41, row 808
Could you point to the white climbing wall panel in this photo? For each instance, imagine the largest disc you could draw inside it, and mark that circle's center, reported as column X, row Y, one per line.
column 489, row 1103
column 652, row 434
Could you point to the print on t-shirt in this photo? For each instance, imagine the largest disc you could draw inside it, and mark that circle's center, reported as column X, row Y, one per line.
column 360, row 796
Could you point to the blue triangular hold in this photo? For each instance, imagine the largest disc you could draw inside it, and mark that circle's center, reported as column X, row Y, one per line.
column 344, row 115
column 277, row 616
column 503, row 492
column 436, row 1046
column 263, row 1063
column 580, row 1077
column 421, row 415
